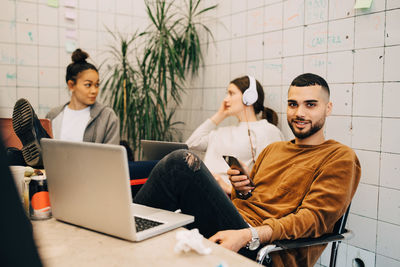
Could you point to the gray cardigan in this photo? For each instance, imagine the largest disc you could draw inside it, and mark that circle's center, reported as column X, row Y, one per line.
column 103, row 126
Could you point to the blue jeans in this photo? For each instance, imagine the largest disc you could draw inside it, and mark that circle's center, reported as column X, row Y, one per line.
column 182, row 181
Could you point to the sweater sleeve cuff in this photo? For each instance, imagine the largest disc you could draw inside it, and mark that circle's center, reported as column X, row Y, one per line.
column 276, row 228
column 209, row 124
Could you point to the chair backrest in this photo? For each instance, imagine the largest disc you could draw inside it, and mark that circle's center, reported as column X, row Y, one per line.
column 139, row 171
column 340, row 225
column 9, row 136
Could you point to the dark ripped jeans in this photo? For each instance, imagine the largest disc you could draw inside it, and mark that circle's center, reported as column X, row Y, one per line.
column 182, row 181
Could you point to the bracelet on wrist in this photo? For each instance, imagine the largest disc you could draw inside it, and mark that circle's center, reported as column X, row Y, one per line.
column 244, row 196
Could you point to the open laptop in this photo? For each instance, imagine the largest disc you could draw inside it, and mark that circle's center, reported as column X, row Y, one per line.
column 89, row 186
column 156, row 150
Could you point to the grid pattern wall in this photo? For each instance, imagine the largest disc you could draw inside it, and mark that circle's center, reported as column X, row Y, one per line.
column 358, row 52
column 36, row 41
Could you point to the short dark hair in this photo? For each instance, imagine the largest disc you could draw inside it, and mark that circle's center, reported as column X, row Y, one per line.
column 309, row 79
column 78, row 65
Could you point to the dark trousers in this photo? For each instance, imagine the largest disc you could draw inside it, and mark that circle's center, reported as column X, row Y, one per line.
column 182, row 181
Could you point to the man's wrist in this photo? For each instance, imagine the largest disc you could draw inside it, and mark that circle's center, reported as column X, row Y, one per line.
column 265, row 233
column 255, row 236
column 254, row 242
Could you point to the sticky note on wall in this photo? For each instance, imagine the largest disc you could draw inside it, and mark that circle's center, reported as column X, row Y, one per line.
column 71, row 33
column 70, row 3
column 70, row 46
column 363, row 4
column 52, row 3
column 70, row 14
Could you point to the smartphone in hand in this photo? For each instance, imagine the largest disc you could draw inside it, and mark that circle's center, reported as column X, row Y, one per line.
column 235, row 164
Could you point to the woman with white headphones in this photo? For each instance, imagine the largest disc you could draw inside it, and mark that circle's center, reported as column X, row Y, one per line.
column 245, row 140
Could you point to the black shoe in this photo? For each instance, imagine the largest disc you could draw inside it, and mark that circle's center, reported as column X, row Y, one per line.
column 29, row 130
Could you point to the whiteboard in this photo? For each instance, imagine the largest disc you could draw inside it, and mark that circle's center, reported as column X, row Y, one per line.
column 36, row 41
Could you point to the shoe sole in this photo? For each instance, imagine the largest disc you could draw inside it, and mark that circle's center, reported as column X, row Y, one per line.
column 23, row 116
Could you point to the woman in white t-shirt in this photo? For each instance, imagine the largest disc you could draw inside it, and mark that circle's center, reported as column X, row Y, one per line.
column 82, row 118
column 246, row 139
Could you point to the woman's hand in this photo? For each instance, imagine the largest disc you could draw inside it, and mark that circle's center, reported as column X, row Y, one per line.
column 226, row 187
column 221, row 114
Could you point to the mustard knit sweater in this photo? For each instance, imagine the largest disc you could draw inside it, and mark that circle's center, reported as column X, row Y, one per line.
column 301, row 191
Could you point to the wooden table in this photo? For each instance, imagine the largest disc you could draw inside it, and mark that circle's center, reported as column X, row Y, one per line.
column 62, row 244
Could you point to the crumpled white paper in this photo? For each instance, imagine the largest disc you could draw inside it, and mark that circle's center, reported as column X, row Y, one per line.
column 190, row 240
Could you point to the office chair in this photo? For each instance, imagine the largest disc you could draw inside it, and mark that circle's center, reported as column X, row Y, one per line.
column 338, row 235
column 11, row 139
column 139, row 171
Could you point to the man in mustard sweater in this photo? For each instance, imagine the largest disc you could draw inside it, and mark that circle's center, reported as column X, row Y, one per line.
column 301, row 187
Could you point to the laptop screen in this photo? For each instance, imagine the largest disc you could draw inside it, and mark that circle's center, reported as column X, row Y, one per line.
column 156, row 150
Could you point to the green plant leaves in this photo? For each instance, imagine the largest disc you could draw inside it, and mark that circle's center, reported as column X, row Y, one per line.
column 168, row 50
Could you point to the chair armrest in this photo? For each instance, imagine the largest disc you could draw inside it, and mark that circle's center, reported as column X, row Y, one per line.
column 301, row 242
column 263, row 253
column 306, row 242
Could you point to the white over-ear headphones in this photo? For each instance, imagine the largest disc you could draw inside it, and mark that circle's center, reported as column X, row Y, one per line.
column 250, row 96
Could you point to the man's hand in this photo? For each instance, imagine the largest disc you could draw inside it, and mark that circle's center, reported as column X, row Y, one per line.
column 237, row 239
column 240, row 182
column 232, row 239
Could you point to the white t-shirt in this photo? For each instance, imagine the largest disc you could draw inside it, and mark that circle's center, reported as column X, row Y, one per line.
column 232, row 141
column 73, row 124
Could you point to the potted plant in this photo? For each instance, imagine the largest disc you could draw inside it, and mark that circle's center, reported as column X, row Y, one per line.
column 144, row 93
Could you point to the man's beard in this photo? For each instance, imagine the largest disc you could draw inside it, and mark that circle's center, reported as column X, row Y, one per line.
column 314, row 128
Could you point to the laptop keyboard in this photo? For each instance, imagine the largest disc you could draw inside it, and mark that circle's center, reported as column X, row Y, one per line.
column 144, row 224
